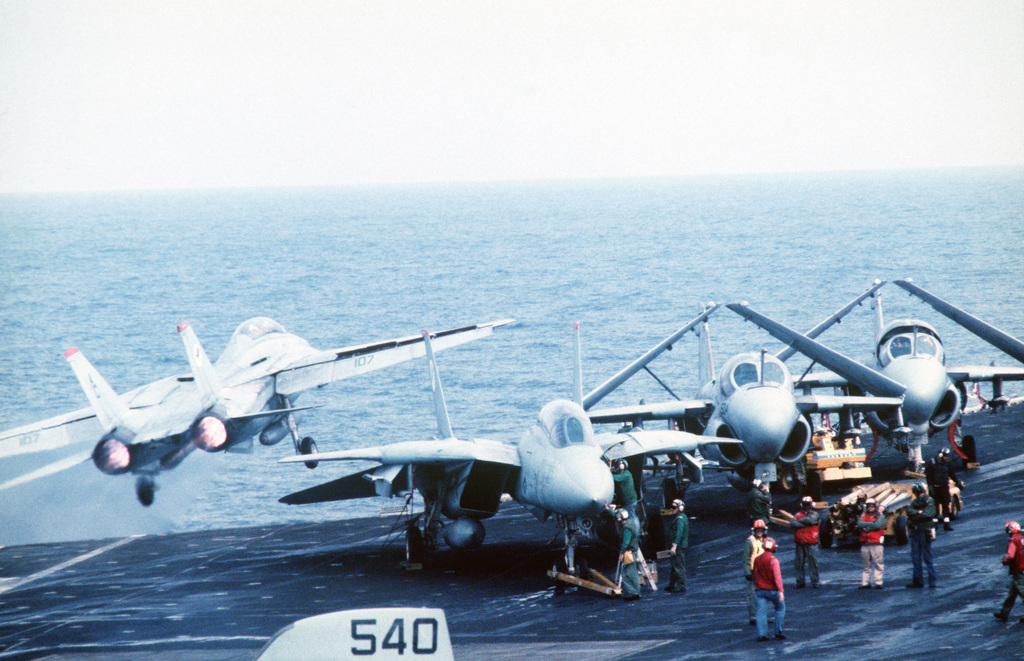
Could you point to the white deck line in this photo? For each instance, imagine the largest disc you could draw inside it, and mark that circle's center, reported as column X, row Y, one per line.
column 15, row 583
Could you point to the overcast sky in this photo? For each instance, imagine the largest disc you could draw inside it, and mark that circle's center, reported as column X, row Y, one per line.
column 178, row 94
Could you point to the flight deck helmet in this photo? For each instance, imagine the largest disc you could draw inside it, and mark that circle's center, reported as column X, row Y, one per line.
column 619, row 466
column 621, row 514
column 1012, row 527
column 870, row 503
column 918, row 488
column 807, row 502
column 768, row 544
column 678, row 505
column 759, row 525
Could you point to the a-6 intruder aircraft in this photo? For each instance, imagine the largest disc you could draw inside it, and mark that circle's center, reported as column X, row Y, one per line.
column 558, row 468
column 997, row 338
column 250, row 391
column 909, row 359
column 750, row 399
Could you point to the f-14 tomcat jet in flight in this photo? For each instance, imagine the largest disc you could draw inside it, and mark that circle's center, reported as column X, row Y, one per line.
column 750, row 399
column 558, row 468
column 249, row 392
column 909, row 359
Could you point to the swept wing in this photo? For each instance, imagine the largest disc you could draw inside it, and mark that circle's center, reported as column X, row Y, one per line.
column 335, row 364
column 997, row 338
column 854, row 372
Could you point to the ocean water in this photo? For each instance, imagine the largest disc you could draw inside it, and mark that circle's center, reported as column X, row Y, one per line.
column 114, row 273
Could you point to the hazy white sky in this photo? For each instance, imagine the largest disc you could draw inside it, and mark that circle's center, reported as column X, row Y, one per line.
column 172, row 94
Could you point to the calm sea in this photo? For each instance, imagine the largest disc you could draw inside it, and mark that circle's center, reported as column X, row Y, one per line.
column 114, row 273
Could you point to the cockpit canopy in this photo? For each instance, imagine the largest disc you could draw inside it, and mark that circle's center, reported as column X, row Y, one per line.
column 745, row 369
column 913, row 339
column 256, row 328
column 566, row 424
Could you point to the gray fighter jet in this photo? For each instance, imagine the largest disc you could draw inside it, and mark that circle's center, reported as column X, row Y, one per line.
column 751, row 398
column 558, row 468
column 909, row 360
column 249, row 392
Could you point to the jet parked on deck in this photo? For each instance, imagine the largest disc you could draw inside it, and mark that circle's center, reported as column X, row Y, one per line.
column 558, row 468
column 249, row 392
column 910, row 360
column 750, row 399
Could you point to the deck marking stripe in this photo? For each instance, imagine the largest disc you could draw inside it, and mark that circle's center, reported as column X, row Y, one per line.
column 64, row 565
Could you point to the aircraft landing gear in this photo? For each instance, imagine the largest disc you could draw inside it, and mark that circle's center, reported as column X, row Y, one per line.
column 304, row 446
column 415, row 547
column 308, row 446
column 145, row 490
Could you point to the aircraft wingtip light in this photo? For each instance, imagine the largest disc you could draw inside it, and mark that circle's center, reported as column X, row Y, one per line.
column 877, row 281
column 182, row 326
column 71, row 352
column 576, row 325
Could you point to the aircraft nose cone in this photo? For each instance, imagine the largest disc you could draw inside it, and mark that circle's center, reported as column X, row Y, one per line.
column 926, row 382
column 590, row 487
column 763, row 418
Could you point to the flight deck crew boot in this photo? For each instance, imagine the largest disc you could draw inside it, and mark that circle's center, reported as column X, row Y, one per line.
column 945, row 524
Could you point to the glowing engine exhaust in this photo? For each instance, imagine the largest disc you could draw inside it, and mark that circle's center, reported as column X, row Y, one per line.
column 209, row 433
column 112, row 456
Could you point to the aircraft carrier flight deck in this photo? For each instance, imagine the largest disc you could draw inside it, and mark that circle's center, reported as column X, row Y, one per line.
column 222, row 594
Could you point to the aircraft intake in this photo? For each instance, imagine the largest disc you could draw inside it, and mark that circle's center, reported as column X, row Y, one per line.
column 112, row 456
column 210, row 433
column 948, row 409
column 464, row 533
column 731, row 454
column 796, row 445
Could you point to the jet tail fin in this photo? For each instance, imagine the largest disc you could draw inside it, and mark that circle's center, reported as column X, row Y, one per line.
column 110, row 410
column 876, row 305
column 577, row 381
column 444, row 424
column 705, row 361
column 596, row 395
column 205, row 376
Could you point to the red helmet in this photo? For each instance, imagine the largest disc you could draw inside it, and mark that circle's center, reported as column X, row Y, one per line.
column 768, row 544
column 760, row 525
column 1012, row 528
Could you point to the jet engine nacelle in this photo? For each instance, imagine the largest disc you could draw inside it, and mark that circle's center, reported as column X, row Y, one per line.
column 731, row 454
column 112, row 456
column 948, row 409
column 464, row 533
column 796, row 445
column 212, row 432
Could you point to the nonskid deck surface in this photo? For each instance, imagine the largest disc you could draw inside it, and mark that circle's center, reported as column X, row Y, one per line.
column 221, row 594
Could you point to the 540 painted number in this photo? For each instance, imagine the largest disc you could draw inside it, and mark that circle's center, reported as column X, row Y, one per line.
column 423, row 634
